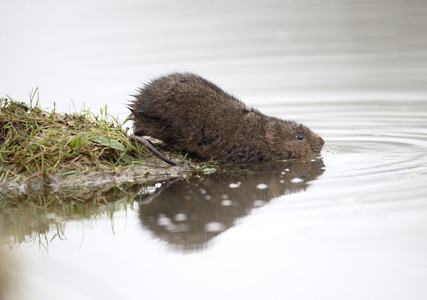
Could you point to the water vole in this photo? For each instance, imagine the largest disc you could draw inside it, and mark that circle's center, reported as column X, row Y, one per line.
column 194, row 115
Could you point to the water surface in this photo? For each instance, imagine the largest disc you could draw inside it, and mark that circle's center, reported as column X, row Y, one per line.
column 349, row 225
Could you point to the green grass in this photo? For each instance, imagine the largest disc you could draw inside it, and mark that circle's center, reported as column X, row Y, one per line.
column 37, row 142
column 41, row 148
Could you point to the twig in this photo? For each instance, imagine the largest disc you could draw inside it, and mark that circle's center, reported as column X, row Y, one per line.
column 156, row 152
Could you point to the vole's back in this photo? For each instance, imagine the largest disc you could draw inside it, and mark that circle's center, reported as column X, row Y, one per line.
column 190, row 113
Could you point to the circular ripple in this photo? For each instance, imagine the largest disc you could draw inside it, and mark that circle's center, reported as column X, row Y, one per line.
column 377, row 152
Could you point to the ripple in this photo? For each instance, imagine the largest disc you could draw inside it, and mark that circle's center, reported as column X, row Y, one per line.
column 375, row 151
column 364, row 155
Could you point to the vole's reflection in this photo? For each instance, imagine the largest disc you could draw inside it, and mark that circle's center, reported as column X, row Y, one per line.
column 188, row 213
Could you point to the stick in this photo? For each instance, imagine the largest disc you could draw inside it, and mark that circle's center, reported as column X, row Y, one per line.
column 156, row 152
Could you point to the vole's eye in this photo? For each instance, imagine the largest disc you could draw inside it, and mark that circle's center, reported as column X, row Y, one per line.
column 300, row 137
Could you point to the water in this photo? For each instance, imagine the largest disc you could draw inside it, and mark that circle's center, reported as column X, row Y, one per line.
column 351, row 225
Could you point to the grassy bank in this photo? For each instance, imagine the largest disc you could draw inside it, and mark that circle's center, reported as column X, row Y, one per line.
column 42, row 150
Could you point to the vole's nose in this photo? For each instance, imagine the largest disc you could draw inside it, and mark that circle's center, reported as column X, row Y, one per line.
column 318, row 144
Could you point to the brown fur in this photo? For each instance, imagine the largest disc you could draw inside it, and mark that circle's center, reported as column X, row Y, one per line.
column 193, row 115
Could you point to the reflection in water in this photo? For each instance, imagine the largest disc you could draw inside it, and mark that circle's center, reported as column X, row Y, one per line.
column 31, row 217
column 189, row 213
